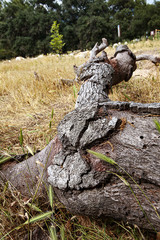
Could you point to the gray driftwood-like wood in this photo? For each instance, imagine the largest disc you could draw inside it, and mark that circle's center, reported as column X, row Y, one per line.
column 123, row 131
column 86, row 185
column 100, row 74
column 153, row 59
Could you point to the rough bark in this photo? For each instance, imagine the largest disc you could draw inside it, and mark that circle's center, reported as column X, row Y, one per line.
column 122, row 131
column 30, row 174
column 86, row 185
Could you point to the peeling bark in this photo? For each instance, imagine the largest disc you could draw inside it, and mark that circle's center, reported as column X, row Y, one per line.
column 86, row 185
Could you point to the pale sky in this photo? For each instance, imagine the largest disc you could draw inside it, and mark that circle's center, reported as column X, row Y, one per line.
column 148, row 1
column 151, row 1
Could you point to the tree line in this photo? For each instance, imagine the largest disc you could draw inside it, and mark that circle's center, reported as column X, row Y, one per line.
column 25, row 25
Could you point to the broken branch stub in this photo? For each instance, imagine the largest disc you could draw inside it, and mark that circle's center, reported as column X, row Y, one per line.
column 151, row 58
column 96, row 49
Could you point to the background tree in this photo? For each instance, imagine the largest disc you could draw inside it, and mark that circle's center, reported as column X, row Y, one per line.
column 94, row 25
column 121, row 12
column 25, row 28
column 56, row 42
column 71, row 11
column 140, row 19
column 154, row 21
column 25, row 24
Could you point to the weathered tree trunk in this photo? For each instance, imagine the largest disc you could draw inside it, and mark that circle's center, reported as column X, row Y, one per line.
column 122, row 131
column 87, row 186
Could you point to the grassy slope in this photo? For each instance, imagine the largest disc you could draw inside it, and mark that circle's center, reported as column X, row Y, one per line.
column 27, row 101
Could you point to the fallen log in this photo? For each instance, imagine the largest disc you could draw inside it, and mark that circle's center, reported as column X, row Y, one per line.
column 129, row 189
column 89, row 186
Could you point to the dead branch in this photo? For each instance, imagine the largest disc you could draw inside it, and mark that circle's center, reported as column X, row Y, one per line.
column 96, row 49
column 151, row 58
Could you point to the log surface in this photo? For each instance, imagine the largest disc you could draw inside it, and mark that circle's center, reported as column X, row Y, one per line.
column 87, row 185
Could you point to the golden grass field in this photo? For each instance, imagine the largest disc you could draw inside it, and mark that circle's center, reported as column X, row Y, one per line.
column 27, row 101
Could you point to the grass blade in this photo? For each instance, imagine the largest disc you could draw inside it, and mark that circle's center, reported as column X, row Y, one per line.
column 5, row 159
column 53, row 233
column 30, row 150
column 34, row 207
column 74, row 91
column 62, row 232
column 50, row 124
column 127, row 96
column 157, row 123
column 39, row 217
column 50, row 195
column 21, row 138
column 52, row 113
column 122, row 179
column 102, row 157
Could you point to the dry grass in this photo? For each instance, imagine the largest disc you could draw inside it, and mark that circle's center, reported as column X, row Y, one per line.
column 15, row 211
column 143, row 87
column 26, row 103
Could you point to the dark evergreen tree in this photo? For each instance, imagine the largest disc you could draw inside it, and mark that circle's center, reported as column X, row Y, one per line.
column 146, row 18
column 121, row 12
column 154, row 22
column 119, row 5
column 25, row 28
column 72, row 10
column 25, row 24
column 94, row 25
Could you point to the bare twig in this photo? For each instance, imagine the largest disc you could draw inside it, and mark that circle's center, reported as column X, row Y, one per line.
column 151, row 58
column 96, row 49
